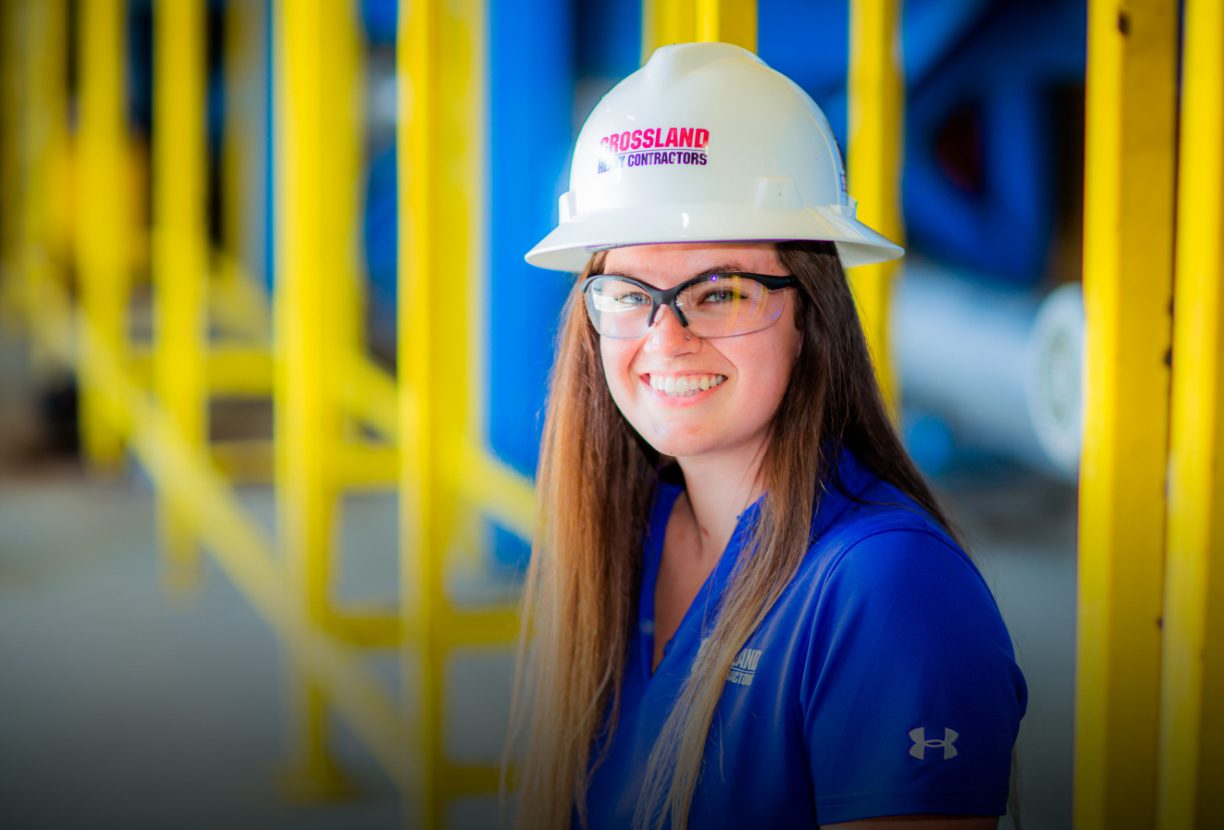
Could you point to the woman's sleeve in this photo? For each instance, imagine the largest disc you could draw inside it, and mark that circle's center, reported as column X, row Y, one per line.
column 911, row 695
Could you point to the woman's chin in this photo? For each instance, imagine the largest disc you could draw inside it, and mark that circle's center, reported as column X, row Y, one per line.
column 682, row 445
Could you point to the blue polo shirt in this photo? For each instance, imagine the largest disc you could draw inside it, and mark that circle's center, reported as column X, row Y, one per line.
column 882, row 682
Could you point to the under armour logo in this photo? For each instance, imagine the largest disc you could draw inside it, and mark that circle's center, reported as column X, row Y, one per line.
column 918, row 736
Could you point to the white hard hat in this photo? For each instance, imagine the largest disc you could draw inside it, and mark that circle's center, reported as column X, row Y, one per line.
column 705, row 143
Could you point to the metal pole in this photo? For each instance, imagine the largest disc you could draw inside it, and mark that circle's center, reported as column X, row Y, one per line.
column 316, row 46
column 45, row 143
column 12, row 114
column 104, row 219
column 180, row 255
column 876, row 100
column 1128, row 255
column 440, row 69
column 424, row 501
column 1192, row 671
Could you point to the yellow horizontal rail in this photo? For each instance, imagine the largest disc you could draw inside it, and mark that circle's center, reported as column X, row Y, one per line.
column 238, row 302
column 364, row 465
column 375, row 627
column 500, row 492
column 250, row 461
column 369, row 393
column 457, row 627
column 239, row 369
column 465, row 780
column 472, row 627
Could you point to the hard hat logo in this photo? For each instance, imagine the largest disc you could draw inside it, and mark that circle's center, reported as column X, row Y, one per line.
column 694, row 138
column 779, row 173
column 651, row 147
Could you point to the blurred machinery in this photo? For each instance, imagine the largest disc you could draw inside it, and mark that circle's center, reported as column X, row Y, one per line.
column 989, row 372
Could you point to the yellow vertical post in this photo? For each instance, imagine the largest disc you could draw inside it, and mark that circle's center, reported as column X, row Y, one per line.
column 10, row 158
column 677, row 21
column 241, row 31
column 876, row 138
column 55, row 221
column 44, row 138
column 421, row 150
column 103, row 222
column 439, row 54
column 1128, row 239
column 316, row 247
column 347, row 66
column 16, row 113
column 180, row 257
column 1192, row 676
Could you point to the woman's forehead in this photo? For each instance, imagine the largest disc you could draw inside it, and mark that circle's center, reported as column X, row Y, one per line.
column 673, row 262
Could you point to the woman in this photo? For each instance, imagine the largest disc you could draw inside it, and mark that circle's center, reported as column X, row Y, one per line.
column 746, row 608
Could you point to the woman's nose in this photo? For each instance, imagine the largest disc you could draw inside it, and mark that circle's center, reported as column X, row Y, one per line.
column 666, row 334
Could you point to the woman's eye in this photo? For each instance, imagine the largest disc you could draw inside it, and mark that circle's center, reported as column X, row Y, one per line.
column 721, row 295
column 632, row 299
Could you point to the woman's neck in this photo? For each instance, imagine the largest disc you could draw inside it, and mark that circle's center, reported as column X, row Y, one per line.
column 718, row 490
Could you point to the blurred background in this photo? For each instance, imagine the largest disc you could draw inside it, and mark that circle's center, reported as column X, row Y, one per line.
column 262, row 261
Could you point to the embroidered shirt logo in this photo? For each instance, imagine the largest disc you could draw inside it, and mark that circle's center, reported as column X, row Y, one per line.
column 744, row 667
column 921, row 744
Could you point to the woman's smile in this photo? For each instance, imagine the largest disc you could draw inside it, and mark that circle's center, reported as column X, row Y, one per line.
column 683, row 387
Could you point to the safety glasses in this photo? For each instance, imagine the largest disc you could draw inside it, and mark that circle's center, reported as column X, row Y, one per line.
column 710, row 305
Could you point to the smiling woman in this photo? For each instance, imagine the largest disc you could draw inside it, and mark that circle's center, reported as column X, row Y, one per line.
column 746, row 606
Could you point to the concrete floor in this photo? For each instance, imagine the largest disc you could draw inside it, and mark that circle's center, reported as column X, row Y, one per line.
column 122, row 707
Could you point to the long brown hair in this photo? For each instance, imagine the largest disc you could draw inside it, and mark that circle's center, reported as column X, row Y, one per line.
column 595, row 482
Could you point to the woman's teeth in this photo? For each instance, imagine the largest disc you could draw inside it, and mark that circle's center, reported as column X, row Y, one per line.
column 684, row 385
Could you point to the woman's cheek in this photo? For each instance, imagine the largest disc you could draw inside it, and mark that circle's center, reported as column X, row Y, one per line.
column 616, row 361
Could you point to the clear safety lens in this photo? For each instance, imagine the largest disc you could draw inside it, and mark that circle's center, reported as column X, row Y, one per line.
column 720, row 305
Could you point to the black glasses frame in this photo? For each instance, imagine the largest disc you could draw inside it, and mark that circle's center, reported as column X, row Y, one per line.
column 667, row 296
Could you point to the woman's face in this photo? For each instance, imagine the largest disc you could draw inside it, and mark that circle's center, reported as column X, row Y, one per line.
column 747, row 374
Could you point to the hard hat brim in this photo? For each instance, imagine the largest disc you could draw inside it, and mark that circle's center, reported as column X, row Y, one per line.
column 571, row 244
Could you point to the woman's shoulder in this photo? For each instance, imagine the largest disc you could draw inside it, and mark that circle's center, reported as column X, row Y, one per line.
column 871, row 540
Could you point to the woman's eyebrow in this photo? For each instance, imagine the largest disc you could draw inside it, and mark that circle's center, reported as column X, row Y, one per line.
column 726, row 268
